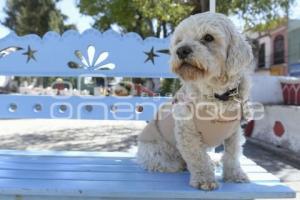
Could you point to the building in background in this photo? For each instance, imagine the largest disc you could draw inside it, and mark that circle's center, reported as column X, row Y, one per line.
column 294, row 47
column 271, row 50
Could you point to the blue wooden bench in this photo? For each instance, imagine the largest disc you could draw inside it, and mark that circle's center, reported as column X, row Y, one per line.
column 77, row 175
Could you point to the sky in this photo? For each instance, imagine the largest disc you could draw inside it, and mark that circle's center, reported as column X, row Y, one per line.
column 82, row 22
column 68, row 7
column 295, row 10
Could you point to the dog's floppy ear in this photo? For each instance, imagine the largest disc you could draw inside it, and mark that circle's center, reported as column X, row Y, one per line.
column 239, row 53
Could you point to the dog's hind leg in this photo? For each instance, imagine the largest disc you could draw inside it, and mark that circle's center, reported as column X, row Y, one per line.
column 159, row 156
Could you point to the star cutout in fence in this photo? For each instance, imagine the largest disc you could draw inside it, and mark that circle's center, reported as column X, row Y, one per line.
column 151, row 55
column 30, row 54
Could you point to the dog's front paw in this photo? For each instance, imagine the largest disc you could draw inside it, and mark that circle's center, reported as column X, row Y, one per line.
column 207, row 182
column 207, row 186
column 236, row 176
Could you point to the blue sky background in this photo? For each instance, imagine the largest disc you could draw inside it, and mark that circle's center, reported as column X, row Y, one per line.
column 82, row 22
column 68, row 7
column 295, row 10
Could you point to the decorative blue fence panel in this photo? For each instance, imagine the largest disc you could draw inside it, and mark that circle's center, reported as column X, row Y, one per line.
column 92, row 52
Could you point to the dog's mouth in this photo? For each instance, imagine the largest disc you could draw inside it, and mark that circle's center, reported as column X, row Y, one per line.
column 187, row 64
column 189, row 71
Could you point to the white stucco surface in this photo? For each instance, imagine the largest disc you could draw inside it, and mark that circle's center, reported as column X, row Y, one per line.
column 266, row 89
column 289, row 117
column 3, row 81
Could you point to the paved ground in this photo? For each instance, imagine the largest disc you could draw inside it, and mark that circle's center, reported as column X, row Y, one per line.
column 285, row 169
column 69, row 135
column 115, row 136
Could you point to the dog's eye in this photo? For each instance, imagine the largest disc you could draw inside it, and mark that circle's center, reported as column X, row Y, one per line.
column 177, row 40
column 208, row 38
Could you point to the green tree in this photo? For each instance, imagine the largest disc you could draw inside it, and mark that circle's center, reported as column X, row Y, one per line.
column 159, row 17
column 148, row 18
column 258, row 15
column 34, row 16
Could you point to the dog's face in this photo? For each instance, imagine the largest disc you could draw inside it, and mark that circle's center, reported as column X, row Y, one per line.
column 207, row 47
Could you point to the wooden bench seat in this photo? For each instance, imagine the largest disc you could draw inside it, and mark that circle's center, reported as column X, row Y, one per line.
column 48, row 175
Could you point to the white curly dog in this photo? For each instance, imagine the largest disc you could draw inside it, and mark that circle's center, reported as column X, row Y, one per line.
column 212, row 59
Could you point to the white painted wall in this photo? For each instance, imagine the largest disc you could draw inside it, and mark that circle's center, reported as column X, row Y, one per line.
column 266, row 89
column 4, row 81
column 289, row 116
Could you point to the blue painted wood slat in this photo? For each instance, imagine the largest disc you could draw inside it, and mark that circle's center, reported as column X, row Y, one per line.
column 82, row 167
column 81, row 160
column 113, row 176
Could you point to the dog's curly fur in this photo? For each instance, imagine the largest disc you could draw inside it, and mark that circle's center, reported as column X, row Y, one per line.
column 212, row 67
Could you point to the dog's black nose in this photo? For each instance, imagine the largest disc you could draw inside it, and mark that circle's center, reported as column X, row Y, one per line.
column 183, row 52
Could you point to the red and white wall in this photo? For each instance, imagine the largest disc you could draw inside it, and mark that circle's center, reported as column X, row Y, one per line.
column 280, row 124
